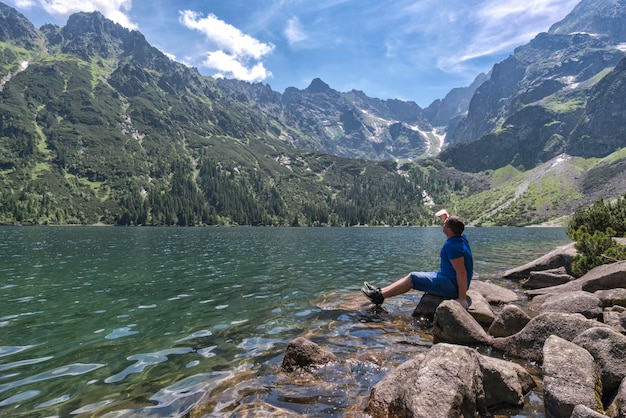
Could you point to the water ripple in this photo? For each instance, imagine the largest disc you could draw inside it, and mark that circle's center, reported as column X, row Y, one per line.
column 144, row 360
column 69, row 370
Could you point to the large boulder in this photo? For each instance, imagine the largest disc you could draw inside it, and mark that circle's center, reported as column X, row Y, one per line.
column 606, row 276
column 511, row 320
column 570, row 378
column 587, row 304
column 608, row 348
column 453, row 324
column 493, row 293
column 446, row 382
column 559, row 257
column 305, row 354
column 505, row 383
column 547, row 278
column 528, row 343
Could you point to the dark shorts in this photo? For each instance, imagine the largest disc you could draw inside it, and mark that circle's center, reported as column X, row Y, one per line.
column 434, row 283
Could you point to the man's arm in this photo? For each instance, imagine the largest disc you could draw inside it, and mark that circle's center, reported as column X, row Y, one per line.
column 461, row 279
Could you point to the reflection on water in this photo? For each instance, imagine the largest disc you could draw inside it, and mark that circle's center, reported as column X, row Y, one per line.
column 156, row 321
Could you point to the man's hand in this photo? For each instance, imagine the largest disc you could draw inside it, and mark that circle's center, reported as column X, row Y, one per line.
column 463, row 303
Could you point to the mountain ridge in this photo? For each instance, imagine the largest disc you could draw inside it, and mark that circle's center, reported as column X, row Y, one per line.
column 102, row 127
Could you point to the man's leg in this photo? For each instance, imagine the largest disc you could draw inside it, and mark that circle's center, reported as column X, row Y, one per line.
column 398, row 287
column 378, row 295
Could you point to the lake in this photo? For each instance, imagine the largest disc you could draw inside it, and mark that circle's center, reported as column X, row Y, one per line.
column 107, row 321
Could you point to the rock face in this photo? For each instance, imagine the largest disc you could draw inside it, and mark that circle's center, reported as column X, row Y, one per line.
column 446, row 383
column 570, row 378
column 302, row 353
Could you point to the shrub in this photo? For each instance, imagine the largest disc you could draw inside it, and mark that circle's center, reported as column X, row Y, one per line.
column 595, row 249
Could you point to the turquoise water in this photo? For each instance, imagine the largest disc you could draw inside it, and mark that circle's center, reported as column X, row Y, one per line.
column 99, row 321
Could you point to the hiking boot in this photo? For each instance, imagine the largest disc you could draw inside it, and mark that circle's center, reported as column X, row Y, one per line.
column 373, row 293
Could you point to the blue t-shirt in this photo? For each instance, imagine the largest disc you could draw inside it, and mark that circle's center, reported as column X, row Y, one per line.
column 456, row 247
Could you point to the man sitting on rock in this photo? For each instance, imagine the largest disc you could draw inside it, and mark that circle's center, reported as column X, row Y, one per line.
column 454, row 275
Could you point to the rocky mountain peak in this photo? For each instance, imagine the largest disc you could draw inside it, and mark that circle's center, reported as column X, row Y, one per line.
column 318, row 86
column 91, row 34
column 606, row 17
column 15, row 28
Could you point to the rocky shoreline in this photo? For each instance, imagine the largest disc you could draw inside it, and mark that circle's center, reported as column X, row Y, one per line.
column 573, row 330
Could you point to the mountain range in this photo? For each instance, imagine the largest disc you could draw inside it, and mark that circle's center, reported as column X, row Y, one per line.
column 98, row 126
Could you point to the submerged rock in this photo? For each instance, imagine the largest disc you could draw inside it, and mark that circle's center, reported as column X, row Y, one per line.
column 303, row 353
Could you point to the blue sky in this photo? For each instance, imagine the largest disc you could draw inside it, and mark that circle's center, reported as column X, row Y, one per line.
column 405, row 49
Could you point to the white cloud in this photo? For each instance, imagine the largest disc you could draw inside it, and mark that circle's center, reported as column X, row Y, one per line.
column 294, row 31
column 225, row 36
column 237, row 54
column 230, row 66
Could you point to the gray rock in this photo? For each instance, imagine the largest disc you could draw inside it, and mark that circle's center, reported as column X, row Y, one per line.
column 547, row 278
column 617, row 409
column 493, row 293
column 570, row 378
column 608, row 349
column 427, row 306
column 447, row 382
column 305, row 354
column 612, row 297
column 505, row 383
column 606, row 276
column 584, row 303
column 511, row 320
column 480, row 308
column 615, row 317
column 453, row 324
column 582, row 411
column 528, row 343
column 559, row 257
